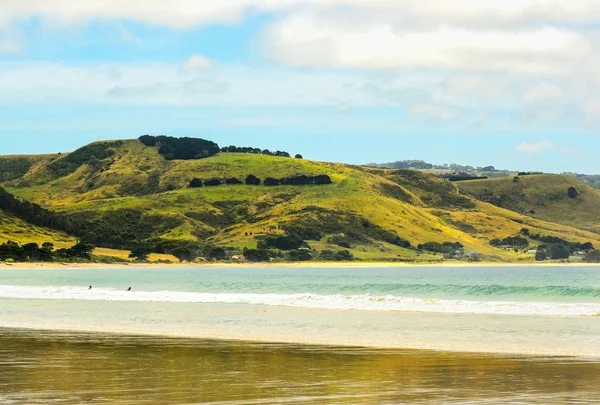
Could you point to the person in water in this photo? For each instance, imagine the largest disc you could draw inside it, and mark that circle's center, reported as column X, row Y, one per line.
column 129, row 289
column 90, row 288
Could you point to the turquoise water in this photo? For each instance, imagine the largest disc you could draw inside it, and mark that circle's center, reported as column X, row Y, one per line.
column 554, row 284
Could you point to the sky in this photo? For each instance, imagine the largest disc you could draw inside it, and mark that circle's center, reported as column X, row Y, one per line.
column 509, row 83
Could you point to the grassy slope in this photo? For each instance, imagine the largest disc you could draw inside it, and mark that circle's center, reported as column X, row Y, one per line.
column 17, row 230
column 417, row 206
column 543, row 197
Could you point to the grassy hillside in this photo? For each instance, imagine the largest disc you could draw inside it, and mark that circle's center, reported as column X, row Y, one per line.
column 544, row 197
column 17, row 230
column 124, row 189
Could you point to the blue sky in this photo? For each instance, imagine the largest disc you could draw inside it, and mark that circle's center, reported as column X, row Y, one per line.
column 507, row 83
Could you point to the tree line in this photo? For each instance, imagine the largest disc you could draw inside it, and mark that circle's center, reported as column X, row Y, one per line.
column 256, row 151
column 32, row 252
column 252, row 180
column 34, row 213
column 186, row 148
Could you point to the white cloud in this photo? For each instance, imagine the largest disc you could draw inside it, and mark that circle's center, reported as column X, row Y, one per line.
column 196, row 63
column 543, row 92
column 308, row 39
column 187, row 13
column 534, row 146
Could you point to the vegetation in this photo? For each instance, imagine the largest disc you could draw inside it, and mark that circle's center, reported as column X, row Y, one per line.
column 552, row 198
column 181, row 148
column 93, row 154
column 511, row 241
column 32, row 252
column 256, row 151
column 136, row 201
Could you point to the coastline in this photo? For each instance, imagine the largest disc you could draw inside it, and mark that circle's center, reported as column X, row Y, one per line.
column 357, row 264
column 323, row 342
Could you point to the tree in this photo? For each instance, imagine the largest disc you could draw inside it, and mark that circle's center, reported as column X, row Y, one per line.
column 344, row 256
column 140, row 254
column 269, row 181
column 557, row 252
column 183, row 254
column 181, row 148
column 541, row 255
column 232, row 181
column 284, row 242
column 216, row 253
column 300, row 255
column 516, row 179
column 593, row 256
column 298, row 156
column 572, row 192
column 213, row 182
column 196, row 183
column 257, row 255
column 252, row 180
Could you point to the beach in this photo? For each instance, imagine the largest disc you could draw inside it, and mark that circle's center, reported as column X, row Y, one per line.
column 535, row 318
column 75, row 368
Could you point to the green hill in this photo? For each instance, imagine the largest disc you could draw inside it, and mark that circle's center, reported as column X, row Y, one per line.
column 122, row 192
column 22, row 232
column 545, row 197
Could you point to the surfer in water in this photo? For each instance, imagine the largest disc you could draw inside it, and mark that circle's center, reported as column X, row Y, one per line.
column 129, row 289
column 90, row 288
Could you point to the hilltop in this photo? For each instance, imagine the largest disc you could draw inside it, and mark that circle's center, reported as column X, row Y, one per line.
column 129, row 194
column 546, row 197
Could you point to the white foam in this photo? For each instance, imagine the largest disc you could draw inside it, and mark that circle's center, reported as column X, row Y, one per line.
column 338, row 302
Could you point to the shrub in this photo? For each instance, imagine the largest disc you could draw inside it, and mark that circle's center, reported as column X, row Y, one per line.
column 213, row 182
column 269, row 181
column 233, row 181
column 196, row 183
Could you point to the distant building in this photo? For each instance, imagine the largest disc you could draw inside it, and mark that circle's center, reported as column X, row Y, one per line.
column 532, row 252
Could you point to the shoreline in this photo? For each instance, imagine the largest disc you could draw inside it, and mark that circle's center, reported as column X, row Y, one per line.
column 205, row 265
column 308, row 342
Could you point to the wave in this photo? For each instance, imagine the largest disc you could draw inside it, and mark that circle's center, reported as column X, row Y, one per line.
column 364, row 302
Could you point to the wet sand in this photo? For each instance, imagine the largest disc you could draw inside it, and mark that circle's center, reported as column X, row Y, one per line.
column 74, row 368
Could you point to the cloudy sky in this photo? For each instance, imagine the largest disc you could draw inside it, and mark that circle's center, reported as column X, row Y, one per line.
column 510, row 83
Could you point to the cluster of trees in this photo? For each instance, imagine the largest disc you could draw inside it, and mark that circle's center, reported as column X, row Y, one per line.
column 256, row 151
column 283, row 242
column 32, row 252
column 252, row 180
column 511, row 241
column 447, row 248
column 172, row 148
column 555, row 248
column 300, row 180
column 34, row 213
column 529, row 173
column 465, row 177
column 267, row 255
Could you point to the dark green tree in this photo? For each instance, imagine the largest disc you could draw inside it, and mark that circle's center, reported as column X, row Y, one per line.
column 252, row 180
